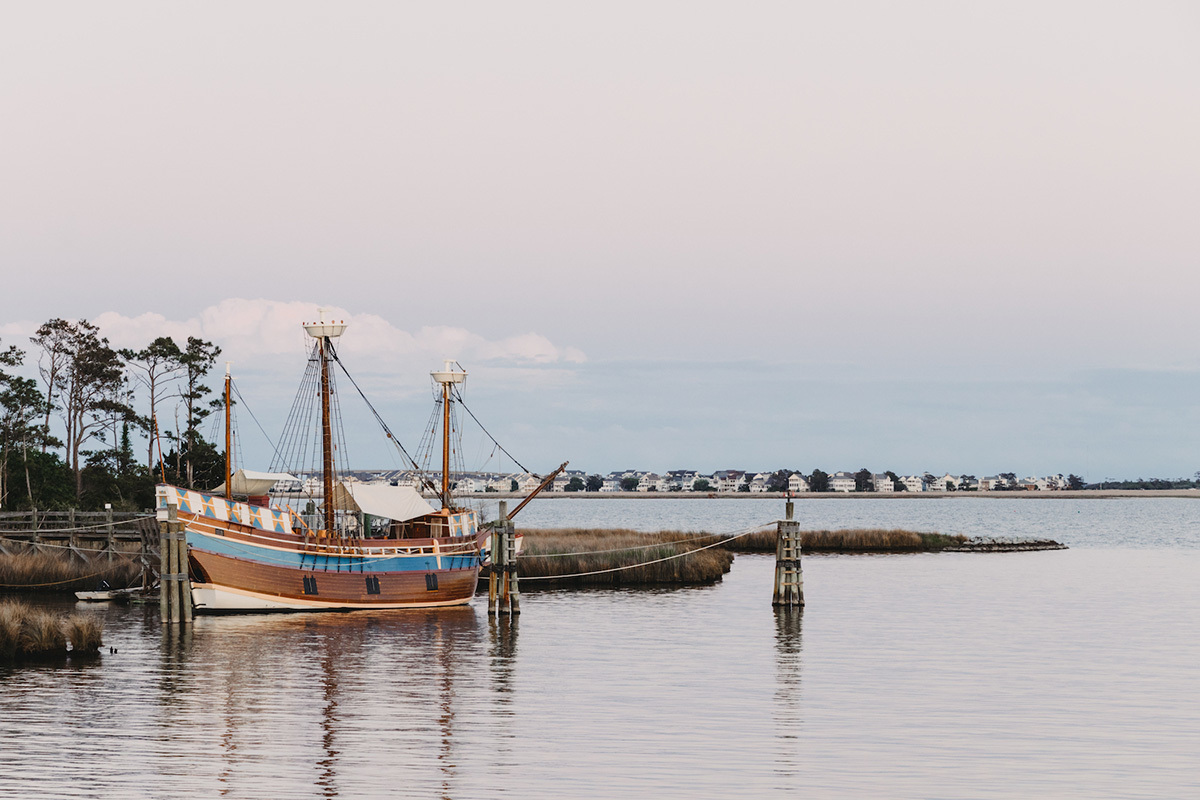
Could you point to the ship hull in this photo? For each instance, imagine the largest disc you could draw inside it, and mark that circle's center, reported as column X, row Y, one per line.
column 243, row 558
column 223, row 583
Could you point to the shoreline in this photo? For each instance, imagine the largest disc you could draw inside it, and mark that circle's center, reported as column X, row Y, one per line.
column 1065, row 494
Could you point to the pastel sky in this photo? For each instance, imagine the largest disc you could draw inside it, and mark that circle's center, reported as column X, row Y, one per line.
column 914, row 236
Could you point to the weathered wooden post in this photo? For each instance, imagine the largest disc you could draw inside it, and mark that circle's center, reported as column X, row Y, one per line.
column 181, row 562
column 789, row 575
column 108, row 520
column 36, row 537
column 494, row 550
column 504, row 593
column 165, row 515
column 510, row 568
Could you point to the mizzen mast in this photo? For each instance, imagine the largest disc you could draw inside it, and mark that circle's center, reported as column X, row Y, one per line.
column 325, row 331
column 447, row 377
column 228, row 436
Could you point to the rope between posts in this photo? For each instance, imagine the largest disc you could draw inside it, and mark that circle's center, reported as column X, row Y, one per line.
column 56, row 546
column 59, row 583
column 114, row 523
column 724, row 537
column 717, row 543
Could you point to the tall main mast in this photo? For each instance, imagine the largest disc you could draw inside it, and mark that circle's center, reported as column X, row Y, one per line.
column 447, row 377
column 325, row 332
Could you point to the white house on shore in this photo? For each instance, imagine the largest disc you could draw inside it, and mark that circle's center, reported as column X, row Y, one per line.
column 842, row 482
column 883, row 484
column 797, row 483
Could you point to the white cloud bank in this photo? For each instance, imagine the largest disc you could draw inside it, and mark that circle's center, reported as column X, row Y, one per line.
column 259, row 328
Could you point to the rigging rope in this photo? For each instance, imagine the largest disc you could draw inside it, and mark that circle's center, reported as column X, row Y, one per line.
column 724, row 537
column 270, row 441
column 379, row 419
column 717, row 543
column 458, row 396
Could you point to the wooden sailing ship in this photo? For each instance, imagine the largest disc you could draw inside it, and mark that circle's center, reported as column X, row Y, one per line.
column 369, row 546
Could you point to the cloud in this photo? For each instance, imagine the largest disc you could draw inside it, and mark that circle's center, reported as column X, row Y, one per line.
column 258, row 329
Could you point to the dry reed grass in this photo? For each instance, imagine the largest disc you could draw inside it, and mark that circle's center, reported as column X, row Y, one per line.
column 29, row 631
column 85, row 632
column 561, row 552
column 852, row 540
column 63, row 572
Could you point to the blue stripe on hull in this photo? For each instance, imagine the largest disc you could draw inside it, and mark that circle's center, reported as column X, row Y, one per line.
column 326, row 563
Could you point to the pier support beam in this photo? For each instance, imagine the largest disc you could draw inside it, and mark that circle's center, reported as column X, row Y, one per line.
column 789, row 575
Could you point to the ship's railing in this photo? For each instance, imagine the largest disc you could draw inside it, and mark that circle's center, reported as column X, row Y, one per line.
column 311, row 544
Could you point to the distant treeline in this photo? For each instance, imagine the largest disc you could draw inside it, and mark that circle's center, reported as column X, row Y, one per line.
column 66, row 438
column 1149, row 483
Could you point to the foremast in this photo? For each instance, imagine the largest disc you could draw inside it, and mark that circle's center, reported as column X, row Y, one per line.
column 325, row 331
column 447, row 377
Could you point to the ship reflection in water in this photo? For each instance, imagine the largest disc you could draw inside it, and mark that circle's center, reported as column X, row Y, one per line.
column 343, row 699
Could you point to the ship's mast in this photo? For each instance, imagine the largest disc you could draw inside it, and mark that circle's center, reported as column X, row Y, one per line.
column 228, row 437
column 447, row 377
column 325, row 332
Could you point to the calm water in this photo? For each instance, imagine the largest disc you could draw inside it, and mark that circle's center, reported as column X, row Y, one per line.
column 1059, row 674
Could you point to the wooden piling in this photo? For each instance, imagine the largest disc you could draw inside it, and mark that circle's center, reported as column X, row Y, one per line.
column 789, row 575
column 164, row 565
column 510, row 567
column 108, row 527
column 175, row 592
column 494, row 551
column 504, row 593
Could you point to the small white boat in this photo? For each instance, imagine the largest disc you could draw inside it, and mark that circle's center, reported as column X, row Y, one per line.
column 105, row 595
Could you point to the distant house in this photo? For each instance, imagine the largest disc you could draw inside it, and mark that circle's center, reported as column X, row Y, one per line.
column 758, row 484
column 649, row 483
column 797, row 483
column 913, row 483
column 990, row 483
column 681, row 480
column 883, row 484
column 611, row 484
column 842, row 482
column 729, row 480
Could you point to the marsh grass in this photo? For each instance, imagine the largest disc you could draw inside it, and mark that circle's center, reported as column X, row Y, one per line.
column 85, row 632
column 852, row 540
column 63, row 572
column 561, row 552
column 27, row 631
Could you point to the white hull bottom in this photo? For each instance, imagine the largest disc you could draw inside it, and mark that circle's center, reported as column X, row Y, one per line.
column 210, row 597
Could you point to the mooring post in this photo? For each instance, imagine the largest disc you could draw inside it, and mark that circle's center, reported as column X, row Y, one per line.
column 510, row 567
column 494, row 551
column 108, row 524
column 164, row 562
column 72, row 538
column 789, row 576
column 34, row 525
column 181, row 574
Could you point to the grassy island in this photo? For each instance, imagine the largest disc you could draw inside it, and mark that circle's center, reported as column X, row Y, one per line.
column 29, row 632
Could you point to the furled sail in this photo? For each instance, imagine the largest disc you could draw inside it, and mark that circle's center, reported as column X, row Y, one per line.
column 254, row 483
column 399, row 503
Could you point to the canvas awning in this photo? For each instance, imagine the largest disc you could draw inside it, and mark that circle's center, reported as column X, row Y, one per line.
column 399, row 503
column 249, row 482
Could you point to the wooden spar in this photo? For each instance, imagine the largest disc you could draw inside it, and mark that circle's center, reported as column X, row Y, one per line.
column 447, row 376
column 545, row 482
column 228, row 439
column 326, row 438
column 445, row 445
